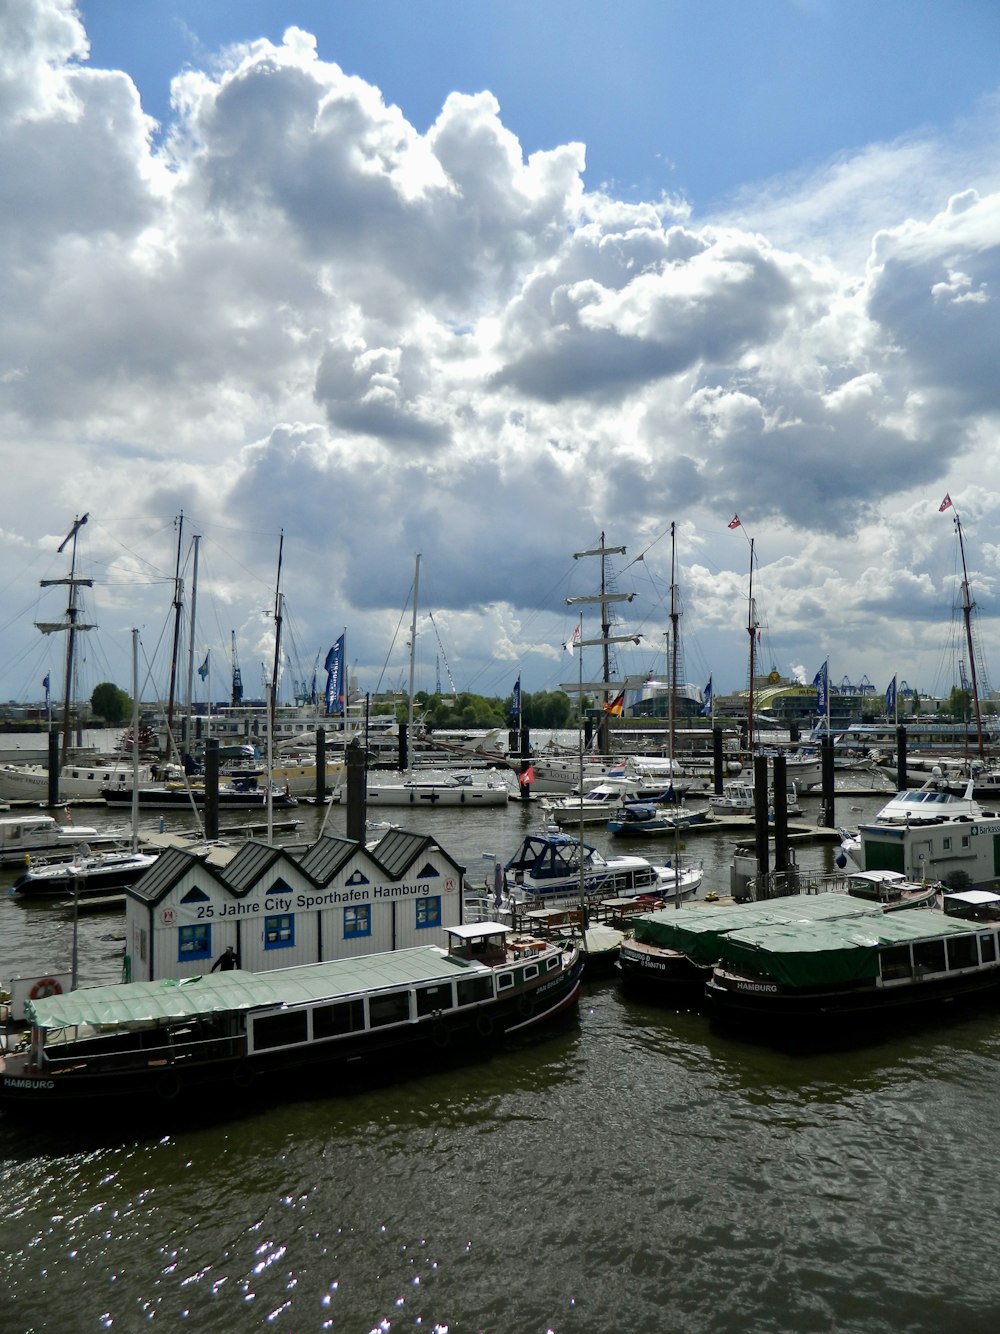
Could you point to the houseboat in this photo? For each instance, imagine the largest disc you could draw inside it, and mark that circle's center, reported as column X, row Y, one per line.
column 238, row 1037
column 848, row 976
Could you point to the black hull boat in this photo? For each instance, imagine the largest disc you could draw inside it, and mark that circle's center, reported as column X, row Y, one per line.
column 847, row 980
column 96, row 874
column 176, row 796
column 246, row 1037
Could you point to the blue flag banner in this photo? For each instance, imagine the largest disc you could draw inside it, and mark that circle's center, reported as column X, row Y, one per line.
column 706, row 706
column 516, row 707
column 335, row 678
column 890, row 697
column 203, row 669
column 821, row 682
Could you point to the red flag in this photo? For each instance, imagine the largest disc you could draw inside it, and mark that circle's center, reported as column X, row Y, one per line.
column 734, row 522
column 945, row 504
column 615, row 706
column 527, row 777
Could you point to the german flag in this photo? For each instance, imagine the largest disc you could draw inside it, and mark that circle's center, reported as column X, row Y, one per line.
column 616, row 706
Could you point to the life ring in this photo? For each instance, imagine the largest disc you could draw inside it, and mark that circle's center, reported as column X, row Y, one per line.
column 45, row 986
column 526, row 1005
column 440, row 1036
column 484, row 1025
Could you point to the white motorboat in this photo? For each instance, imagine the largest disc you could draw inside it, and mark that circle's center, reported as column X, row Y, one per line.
column 440, row 789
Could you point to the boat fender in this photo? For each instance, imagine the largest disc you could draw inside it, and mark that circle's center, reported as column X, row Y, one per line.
column 526, row 1006
column 45, row 986
column 484, row 1025
column 440, row 1036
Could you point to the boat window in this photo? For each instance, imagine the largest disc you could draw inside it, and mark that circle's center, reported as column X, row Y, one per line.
column 428, row 911
column 357, row 920
column 287, row 1029
column 473, row 989
column 928, row 956
column 433, row 998
column 279, row 931
column 988, row 947
column 393, row 1008
column 946, row 843
column 530, row 972
column 962, row 952
column 194, row 941
column 965, row 840
column 505, row 981
column 552, row 962
column 332, row 1021
column 895, row 962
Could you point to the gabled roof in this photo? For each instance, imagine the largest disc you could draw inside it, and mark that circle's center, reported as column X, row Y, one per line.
column 396, row 852
column 254, row 859
column 169, row 868
column 326, row 856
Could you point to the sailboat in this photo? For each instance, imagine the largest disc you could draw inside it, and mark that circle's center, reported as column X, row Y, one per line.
column 89, row 872
column 79, row 780
column 432, row 788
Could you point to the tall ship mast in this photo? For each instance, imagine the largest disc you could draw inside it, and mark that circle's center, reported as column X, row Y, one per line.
column 71, row 625
column 606, row 687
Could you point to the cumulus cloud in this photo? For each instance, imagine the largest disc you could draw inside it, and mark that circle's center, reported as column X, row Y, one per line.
column 292, row 309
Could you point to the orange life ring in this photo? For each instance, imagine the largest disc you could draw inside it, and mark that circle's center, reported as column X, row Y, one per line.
column 45, row 986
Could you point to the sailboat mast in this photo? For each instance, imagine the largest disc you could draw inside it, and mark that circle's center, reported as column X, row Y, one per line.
column 273, row 702
column 673, row 646
column 191, row 639
column 967, row 605
column 413, row 659
column 751, row 619
column 177, row 634
column 71, row 625
column 135, row 741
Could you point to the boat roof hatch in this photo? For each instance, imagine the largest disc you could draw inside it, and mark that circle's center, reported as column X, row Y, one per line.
column 476, row 930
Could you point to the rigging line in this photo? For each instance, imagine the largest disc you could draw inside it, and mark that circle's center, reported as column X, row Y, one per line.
column 385, row 665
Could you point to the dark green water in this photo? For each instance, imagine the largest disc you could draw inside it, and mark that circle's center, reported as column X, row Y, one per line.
column 636, row 1172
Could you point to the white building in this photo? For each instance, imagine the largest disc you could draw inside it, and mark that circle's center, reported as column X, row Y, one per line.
column 275, row 909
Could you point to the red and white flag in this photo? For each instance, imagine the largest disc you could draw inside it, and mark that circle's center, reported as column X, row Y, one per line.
column 573, row 640
column 734, row 522
column 945, row 504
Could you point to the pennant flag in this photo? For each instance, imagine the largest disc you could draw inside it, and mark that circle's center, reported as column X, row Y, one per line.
column 734, row 522
column 527, row 777
column 45, row 683
column 945, row 504
column 821, row 682
column 335, row 678
column 706, row 707
column 573, row 640
column 312, row 690
column 203, row 669
column 890, row 697
column 516, row 708
column 616, row 706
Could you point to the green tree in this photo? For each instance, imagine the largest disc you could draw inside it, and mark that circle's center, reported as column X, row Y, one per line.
column 111, row 703
column 960, row 703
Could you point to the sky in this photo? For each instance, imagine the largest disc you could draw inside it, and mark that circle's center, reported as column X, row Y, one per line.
column 325, row 286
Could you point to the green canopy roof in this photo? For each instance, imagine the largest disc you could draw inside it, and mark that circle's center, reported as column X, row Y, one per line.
column 835, row 952
column 224, row 992
column 695, row 931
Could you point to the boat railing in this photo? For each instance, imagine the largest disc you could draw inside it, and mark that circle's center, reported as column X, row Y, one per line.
column 127, row 1050
column 776, row 885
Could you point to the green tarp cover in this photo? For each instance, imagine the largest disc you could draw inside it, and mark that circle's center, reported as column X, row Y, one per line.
column 836, row 952
column 225, row 992
column 695, row 931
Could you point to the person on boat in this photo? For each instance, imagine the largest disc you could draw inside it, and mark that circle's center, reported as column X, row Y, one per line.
column 226, row 961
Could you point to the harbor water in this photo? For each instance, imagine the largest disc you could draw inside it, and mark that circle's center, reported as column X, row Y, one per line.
column 637, row 1171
